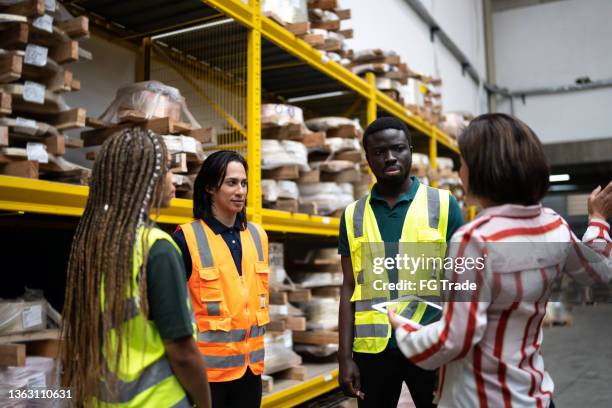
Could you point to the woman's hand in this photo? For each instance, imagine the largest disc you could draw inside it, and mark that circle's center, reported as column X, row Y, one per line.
column 600, row 203
column 394, row 319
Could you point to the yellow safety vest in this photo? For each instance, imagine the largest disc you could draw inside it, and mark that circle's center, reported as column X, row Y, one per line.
column 144, row 377
column 425, row 229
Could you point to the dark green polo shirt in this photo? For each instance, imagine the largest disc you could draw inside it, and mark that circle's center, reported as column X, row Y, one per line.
column 391, row 220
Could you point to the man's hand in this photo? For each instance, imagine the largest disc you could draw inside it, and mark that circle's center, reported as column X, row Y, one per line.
column 349, row 379
column 600, row 202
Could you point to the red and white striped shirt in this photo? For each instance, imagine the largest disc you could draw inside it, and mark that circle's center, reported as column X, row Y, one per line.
column 489, row 350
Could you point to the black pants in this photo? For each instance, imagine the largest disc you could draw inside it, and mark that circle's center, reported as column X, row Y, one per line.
column 382, row 376
column 245, row 392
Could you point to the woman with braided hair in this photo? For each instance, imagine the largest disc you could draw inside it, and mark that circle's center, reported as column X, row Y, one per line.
column 128, row 326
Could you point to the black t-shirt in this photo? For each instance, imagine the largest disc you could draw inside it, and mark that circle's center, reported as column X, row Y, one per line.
column 167, row 292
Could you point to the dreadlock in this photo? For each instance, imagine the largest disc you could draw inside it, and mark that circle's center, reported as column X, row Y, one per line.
column 126, row 185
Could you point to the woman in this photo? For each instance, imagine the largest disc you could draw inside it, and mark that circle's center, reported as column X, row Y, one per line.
column 226, row 259
column 488, row 342
column 128, row 331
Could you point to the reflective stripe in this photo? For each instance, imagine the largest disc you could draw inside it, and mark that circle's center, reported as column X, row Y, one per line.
column 366, row 305
column 371, row 330
column 220, row 336
column 203, row 246
column 257, row 355
column 224, row 361
column 360, row 277
column 213, row 308
column 255, row 234
column 257, row 331
column 184, row 403
column 358, row 216
column 127, row 391
column 433, row 207
column 409, row 310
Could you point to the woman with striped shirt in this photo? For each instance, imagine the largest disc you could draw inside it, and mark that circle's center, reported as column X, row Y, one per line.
column 488, row 341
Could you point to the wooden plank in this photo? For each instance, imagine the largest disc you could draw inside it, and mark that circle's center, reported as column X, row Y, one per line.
column 308, row 208
column 282, row 173
column 347, row 34
column 323, row 4
column 44, row 348
column 329, row 291
column 321, row 337
column 343, row 14
column 73, row 143
column 279, row 298
column 12, row 355
column 267, row 383
column 286, row 204
column 14, row 36
column 179, row 162
column 300, row 295
column 309, row 177
column 296, row 323
column 277, row 325
column 288, row 132
column 71, row 119
column 344, row 176
column 77, row 27
column 344, row 131
column 349, row 155
column 202, row 135
column 314, row 139
column 297, row 373
column 20, row 168
column 315, row 40
column 333, row 25
column 36, row 335
column 5, row 103
column 56, row 145
column 300, row 28
column 65, row 52
column 10, row 67
column 27, row 8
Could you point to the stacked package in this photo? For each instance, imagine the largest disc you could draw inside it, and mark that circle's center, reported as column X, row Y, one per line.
column 453, row 123
column 161, row 109
column 391, row 73
column 37, row 43
column 38, row 374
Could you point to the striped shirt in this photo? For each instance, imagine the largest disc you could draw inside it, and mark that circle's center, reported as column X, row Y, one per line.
column 488, row 348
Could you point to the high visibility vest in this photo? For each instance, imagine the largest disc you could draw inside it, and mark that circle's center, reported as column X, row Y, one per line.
column 231, row 310
column 424, row 229
column 143, row 375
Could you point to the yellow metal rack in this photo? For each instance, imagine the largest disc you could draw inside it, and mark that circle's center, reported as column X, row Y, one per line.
column 43, row 197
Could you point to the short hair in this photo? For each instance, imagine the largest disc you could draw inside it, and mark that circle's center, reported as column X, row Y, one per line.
column 383, row 123
column 211, row 176
column 505, row 159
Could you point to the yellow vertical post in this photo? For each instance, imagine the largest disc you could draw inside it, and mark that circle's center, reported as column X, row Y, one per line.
column 371, row 112
column 254, row 112
column 433, row 153
column 472, row 212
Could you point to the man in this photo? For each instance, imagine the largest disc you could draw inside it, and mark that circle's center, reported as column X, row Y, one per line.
column 398, row 209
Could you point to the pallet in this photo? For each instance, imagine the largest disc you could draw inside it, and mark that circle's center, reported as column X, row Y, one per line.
column 288, row 132
column 291, row 172
column 314, row 140
column 309, row 177
column 285, row 204
column 26, row 8
column 6, row 103
column 162, row 126
column 298, row 28
column 314, row 40
column 323, row 4
column 316, row 337
column 344, row 176
column 295, row 295
column 354, row 156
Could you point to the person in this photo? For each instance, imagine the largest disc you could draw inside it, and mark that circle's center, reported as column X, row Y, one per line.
column 488, row 343
column 226, row 259
column 399, row 209
column 128, row 327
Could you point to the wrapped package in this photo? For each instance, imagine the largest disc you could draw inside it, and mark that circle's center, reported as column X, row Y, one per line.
column 328, row 196
column 274, row 155
column 269, row 190
column 281, row 115
column 323, row 350
column 372, row 54
column 19, row 316
column 297, row 152
column 318, row 14
column 334, row 166
column 38, row 373
column 341, row 144
column 347, row 188
column 279, row 354
column 276, row 254
column 330, row 122
column 151, row 99
column 322, row 313
column 290, row 11
column 318, row 279
column 454, row 123
column 287, row 189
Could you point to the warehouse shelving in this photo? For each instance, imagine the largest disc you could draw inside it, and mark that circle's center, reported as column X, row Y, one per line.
column 122, row 22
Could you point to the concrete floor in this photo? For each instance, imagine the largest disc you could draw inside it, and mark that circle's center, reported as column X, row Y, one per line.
column 579, row 358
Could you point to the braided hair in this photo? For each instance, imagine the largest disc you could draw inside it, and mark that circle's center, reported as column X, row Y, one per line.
column 126, row 185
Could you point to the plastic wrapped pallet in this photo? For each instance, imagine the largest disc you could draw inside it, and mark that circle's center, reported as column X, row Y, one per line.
column 278, row 274
column 275, row 154
column 339, row 144
column 330, row 122
column 152, row 99
column 288, row 189
column 328, row 196
column 322, row 313
column 269, row 190
column 281, row 115
column 290, row 11
column 317, row 280
column 279, row 354
column 19, row 316
column 454, row 123
column 297, row 152
column 38, row 373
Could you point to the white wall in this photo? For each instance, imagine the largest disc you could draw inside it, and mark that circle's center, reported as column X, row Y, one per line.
column 551, row 45
column 393, row 25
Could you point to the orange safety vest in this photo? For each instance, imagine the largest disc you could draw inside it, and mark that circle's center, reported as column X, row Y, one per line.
column 230, row 310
